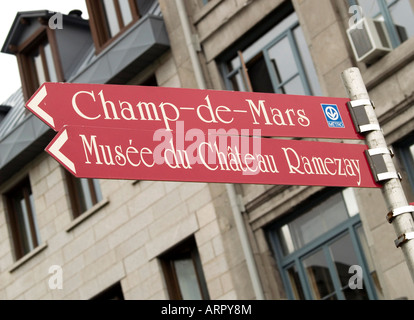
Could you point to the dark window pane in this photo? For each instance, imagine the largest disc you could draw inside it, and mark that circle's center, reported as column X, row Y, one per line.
column 146, row 6
column 187, row 279
column 355, row 294
column 405, row 150
column 183, row 272
column 319, row 278
column 84, row 193
column 22, row 218
column 343, row 256
column 402, row 15
column 236, row 82
column 259, row 76
column 295, row 283
column 112, row 293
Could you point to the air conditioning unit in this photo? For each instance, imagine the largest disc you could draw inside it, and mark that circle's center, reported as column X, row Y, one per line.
column 369, row 39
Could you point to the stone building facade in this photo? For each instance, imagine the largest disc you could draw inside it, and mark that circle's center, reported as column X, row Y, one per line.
column 67, row 238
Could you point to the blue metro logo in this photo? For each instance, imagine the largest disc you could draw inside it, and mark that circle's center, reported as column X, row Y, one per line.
column 332, row 115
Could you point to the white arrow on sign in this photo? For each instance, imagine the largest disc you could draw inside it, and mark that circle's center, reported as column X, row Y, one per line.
column 54, row 149
column 33, row 105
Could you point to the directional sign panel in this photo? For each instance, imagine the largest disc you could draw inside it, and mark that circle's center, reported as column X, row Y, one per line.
column 151, row 108
column 96, row 152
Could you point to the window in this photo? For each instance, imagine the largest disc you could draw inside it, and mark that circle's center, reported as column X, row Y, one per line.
column 38, row 62
column 22, row 219
column 183, row 272
column 83, row 193
column 42, row 60
column 151, row 81
column 397, row 14
column 109, row 18
column 279, row 61
column 3, row 111
column 112, row 293
column 317, row 248
column 406, row 152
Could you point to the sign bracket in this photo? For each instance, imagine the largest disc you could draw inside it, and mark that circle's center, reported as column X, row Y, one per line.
column 359, row 115
column 398, row 211
column 404, row 238
column 378, row 164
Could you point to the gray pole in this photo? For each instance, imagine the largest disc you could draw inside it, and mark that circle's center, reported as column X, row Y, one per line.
column 400, row 214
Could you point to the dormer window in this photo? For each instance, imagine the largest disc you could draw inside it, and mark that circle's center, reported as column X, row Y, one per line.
column 109, row 18
column 44, row 53
column 38, row 60
column 43, row 61
column 38, row 64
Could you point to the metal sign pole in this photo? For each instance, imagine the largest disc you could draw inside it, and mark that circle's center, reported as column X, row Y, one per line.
column 380, row 157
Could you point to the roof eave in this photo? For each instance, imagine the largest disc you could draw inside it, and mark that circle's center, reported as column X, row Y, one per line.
column 17, row 26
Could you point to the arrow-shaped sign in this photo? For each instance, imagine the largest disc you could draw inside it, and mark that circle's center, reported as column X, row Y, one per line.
column 96, row 152
column 54, row 149
column 152, row 108
column 34, row 106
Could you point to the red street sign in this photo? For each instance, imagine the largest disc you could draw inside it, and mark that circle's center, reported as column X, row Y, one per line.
column 96, row 152
column 151, row 108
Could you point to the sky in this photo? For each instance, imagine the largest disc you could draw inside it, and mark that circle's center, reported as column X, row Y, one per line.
column 10, row 79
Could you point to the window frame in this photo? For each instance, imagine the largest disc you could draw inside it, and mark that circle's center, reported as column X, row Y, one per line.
column 255, row 35
column 23, row 187
column 114, row 292
column 183, row 249
column 286, row 261
column 27, row 69
column 99, row 24
column 407, row 159
column 77, row 205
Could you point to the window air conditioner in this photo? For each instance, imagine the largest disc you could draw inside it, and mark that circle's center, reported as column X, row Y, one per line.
column 369, row 39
